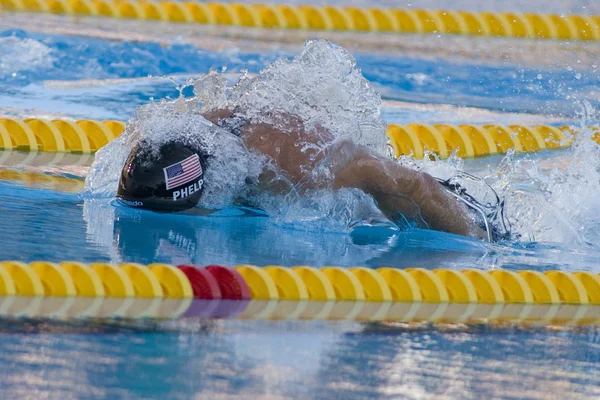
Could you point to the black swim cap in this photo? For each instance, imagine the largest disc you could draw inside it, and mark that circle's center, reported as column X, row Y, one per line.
column 171, row 179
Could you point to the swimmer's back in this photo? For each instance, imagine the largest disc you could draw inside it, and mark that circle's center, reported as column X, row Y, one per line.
column 284, row 140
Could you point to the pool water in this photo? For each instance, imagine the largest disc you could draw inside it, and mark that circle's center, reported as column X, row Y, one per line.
column 301, row 360
column 47, row 73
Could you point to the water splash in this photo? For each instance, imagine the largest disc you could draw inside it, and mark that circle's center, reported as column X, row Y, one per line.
column 321, row 86
column 555, row 198
column 18, row 55
column 550, row 197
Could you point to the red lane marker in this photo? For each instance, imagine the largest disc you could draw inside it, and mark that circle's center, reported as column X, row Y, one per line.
column 232, row 284
column 204, row 284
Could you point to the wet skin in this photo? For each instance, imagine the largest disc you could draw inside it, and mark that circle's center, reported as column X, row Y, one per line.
column 294, row 150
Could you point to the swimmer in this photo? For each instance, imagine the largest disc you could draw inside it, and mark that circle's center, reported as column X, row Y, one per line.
column 174, row 179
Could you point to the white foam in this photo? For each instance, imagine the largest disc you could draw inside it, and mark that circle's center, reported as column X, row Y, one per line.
column 555, row 198
column 321, row 85
column 20, row 55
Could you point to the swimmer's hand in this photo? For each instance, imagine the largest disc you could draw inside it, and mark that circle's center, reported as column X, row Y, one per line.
column 399, row 190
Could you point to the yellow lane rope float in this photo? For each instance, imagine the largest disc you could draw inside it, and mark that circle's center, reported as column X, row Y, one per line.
column 329, row 18
column 87, row 136
column 37, row 134
column 130, row 290
column 40, row 180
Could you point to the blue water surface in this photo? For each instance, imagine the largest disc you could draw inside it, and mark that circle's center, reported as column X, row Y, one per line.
column 299, row 360
column 505, row 86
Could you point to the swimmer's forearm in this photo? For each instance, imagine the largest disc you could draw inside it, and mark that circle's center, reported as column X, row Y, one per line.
column 430, row 204
column 417, row 196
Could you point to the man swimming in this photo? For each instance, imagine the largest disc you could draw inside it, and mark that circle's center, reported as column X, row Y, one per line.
column 173, row 177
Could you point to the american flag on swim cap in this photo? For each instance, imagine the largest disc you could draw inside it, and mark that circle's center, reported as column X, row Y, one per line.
column 183, row 172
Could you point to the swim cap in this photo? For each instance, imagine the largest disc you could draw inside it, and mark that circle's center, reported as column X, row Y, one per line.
column 170, row 179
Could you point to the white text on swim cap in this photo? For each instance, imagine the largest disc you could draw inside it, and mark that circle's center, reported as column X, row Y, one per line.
column 132, row 203
column 188, row 191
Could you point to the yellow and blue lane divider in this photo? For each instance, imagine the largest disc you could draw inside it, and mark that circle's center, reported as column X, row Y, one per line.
column 468, row 140
column 160, row 291
column 328, row 17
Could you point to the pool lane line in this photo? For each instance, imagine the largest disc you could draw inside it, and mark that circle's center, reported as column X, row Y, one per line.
column 467, row 140
column 329, row 18
column 70, row 290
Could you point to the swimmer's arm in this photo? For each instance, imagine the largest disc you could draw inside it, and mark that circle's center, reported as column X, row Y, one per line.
column 415, row 195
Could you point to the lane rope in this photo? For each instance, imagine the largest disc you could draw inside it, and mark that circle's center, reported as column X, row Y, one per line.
column 37, row 134
column 87, row 136
column 328, row 17
column 162, row 291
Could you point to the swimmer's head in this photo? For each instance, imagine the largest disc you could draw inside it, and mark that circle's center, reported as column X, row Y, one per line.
column 170, row 179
